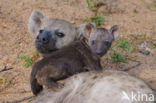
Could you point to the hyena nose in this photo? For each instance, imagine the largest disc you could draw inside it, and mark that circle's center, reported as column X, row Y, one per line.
column 100, row 52
column 43, row 37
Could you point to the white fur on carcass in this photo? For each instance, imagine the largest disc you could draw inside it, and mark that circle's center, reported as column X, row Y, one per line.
column 97, row 87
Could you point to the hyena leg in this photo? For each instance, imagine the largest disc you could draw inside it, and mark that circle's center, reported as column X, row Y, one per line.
column 50, row 83
column 35, row 86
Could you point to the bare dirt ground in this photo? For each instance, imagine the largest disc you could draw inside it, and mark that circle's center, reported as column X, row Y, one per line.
column 136, row 17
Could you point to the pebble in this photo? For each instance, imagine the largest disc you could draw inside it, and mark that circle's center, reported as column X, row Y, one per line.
column 145, row 52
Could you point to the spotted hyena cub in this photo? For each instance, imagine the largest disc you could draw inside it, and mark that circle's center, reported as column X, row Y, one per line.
column 69, row 60
column 99, row 39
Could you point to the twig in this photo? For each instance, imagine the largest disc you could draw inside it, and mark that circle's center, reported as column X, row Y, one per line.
column 134, row 66
column 5, row 69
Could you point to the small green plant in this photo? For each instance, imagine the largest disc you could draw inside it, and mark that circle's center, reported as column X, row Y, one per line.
column 135, row 11
column 27, row 59
column 94, row 3
column 3, row 80
column 117, row 57
column 90, row 4
column 126, row 45
column 98, row 20
column 94, row 6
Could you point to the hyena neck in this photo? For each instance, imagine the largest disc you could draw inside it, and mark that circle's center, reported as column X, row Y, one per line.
column 83, row 48
column 48, row 53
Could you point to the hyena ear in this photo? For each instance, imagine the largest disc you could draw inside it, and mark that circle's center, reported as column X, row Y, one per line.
column 85, row 30
column 115, row 31
column 89, row 28
column 35, row 22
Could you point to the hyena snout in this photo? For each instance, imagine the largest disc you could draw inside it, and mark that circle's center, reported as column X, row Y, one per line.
column 46, row 42
column 100, row 52
column 101, row 48
column 43, row 37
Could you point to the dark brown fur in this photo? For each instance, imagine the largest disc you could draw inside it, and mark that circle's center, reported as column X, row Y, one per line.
column 61, row 64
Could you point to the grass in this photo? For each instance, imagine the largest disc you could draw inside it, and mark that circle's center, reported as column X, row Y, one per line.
column 94, row 3
column 118, row 57
column 29, row 59
column 2, row 80
column 90, row 4
column 98, row 20
column 126, row 45
column 135, row 11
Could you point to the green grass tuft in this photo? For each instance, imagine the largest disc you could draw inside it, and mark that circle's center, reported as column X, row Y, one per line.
column 30, row 58
column 120, row 56
column 27, row 59
column 98, row 20
column 90, row 4
column 117, row 57
column 93, row 3
column 2, row 80
column 126, row 45
column 135, row 11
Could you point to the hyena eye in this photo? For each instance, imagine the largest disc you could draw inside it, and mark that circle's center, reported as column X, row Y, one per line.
column 59, row 34
column 93, row 42
column 107, row 43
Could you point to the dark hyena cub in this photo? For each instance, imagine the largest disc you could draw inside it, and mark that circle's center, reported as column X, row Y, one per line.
column 52, row 35
column 99, row 39
column 72, row 59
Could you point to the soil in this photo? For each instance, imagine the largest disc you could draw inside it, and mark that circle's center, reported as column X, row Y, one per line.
column 136, row 18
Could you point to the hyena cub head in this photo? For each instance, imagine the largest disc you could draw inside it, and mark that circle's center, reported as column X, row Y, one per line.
column 50, row 34
column 99, row 39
